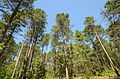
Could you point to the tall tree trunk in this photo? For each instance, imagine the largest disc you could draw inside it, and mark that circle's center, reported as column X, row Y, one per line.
column 10, row 21
column 110, row 60
column 54, row 65
column 67, row 76
column 26, row 61
column 10, row 36
column 3, row 50
column 66, row 68
column 17, row 61
column 30, row 60
column 71, row 62
column 32, row 53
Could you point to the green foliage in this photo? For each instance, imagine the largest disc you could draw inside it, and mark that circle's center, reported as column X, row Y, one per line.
column 6, row 71
column 113, row 7
column 112, row 14
column 89, row 20
column 108, row 72
column 79, row 36
column 45, row 40
column 1, row 46
column 80, row 52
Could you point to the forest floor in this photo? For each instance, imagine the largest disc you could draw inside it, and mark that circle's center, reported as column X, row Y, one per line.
column 100, row 77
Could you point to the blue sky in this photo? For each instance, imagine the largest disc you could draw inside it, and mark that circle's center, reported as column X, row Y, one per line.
column 77, row 9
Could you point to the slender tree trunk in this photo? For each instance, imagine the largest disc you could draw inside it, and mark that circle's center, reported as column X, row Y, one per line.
column 10, row 21
column 10, row 36
column 26, row 62
column 54, row 66
column 2, row 52
column 30, row 60
column 61, row 67
column 17, row 61
column 66, row 68
column 71, row 58
column 110, row 60
column 32, row 54
column 67, row 76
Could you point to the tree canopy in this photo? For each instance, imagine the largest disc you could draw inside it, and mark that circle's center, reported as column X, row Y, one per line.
column 61, row 53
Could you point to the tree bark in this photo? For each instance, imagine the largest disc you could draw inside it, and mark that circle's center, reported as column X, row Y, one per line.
column 32, row 53
column 66, row 68
column 10, row 36
column 110, row 60
column 26, row 61
column 17, row 61
column 67, row 76
column 10, row 21
column 54, row 66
